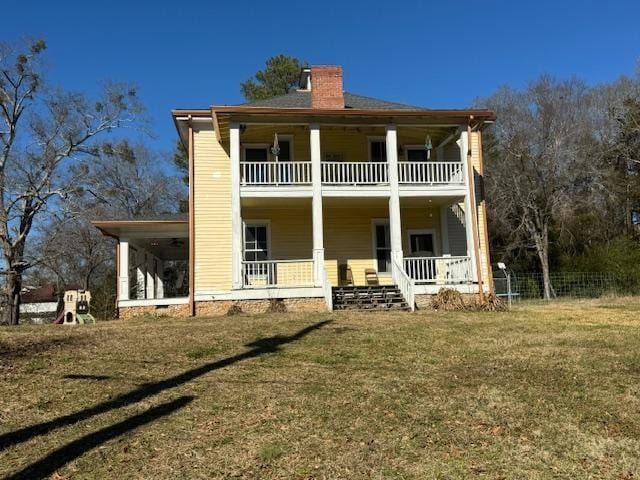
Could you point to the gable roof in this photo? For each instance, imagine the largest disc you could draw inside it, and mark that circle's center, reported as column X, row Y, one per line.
column 302, row 99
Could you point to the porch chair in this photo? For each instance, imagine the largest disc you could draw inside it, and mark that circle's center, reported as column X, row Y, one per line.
column 346, row 276
column 371, row 276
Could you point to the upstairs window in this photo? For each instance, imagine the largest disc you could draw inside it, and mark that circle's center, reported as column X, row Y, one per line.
column 377, row 150
column 416, row 154
column 256, row 153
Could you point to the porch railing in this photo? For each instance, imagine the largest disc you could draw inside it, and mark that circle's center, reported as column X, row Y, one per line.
column 405, row 284
column 275, row 173
column 439, row 270
column 354, row 173
column 431, row 172
column 277, row 273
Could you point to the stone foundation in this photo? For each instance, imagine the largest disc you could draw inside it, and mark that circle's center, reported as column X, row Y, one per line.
column 221, row 307
column 154, row 311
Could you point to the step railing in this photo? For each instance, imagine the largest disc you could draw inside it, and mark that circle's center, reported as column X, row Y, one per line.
column 277, row 273
column 405, row 284
column 354, row 173
column 275, row 173
column 443, row 173
column 439, row 270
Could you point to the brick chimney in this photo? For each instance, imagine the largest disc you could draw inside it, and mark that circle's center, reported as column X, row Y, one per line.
column 326, row 87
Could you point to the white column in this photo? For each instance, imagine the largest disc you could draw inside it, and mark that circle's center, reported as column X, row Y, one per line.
column 159, row 278
column 463, row 143
column 236, row 216
column 123, row 280
column 395, row 224
column 141, row 274
column 150, row 267
column 316, row 208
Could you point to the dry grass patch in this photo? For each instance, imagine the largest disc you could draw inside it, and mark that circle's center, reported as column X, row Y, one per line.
column 543, row 391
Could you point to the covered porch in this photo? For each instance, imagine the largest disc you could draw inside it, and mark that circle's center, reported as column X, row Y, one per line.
column 278, row 247
column 152, row 261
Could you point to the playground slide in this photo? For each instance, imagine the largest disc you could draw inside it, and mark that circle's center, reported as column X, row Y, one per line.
column 60, row 318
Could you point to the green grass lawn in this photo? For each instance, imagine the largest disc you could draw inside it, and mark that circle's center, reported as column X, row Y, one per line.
column 543, row 391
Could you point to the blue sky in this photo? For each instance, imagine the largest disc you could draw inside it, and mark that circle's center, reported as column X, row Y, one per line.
column 435, row 54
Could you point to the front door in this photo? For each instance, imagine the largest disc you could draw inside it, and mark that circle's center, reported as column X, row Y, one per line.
column 256, row 253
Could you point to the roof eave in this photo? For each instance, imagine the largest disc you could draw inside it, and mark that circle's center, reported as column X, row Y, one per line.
column 485, row 115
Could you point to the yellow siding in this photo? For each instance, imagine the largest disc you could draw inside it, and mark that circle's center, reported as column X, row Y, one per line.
column 212, row 209
column 480, row 207
column 348, row 237
column 290, row 230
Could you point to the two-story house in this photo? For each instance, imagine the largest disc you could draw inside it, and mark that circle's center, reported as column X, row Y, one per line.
column 318, row 199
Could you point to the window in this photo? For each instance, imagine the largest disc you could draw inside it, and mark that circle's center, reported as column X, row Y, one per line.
column 382, row 243
column 422, row 244
column 377, row 150
column 415, row 154
column 256, row 153
column 256, row 247
column 285, row 150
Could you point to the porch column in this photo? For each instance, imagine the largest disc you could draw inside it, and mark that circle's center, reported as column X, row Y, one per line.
column 141, row 274
column 236, row 217
column 123, row 279
column 463, row 143
column 316, row 208
column 150, row 266
column 395, row 223
column 159, row 278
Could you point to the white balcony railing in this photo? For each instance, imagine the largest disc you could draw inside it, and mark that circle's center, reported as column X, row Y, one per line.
column 431, row 172
column 275, row 173
column 354, row 173
column 277, row 273
column 351, row 173
column 439, row 270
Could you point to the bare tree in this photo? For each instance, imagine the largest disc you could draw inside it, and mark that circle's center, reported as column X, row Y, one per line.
column 44, row 133
column 537, row 152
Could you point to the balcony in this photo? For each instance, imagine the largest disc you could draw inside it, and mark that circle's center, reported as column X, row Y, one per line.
column 355, row 173
column 274, row 174
column 431, row 173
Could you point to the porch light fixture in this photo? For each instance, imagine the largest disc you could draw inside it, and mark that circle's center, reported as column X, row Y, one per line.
column 428, row 146
column 275, row 149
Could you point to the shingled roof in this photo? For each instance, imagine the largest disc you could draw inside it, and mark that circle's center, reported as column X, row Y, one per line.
column 302, row 99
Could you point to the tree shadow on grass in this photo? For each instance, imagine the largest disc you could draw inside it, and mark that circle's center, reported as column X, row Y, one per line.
column 48, row 464
column 83, row 376
column 258, row 347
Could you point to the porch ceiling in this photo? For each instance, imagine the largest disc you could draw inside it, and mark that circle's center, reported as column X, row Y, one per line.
column 144, row 228
column 426, row 202
column 164, row 248
column 276, row 202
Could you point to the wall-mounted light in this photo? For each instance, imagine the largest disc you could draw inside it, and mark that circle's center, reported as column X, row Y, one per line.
column 428, row 146
column 275, row 149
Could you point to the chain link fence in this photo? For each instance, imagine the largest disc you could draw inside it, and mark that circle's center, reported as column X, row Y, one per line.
column 529, row 286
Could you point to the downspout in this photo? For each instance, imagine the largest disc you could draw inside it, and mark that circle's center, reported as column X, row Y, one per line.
column 192, row 302
column 473, row 212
